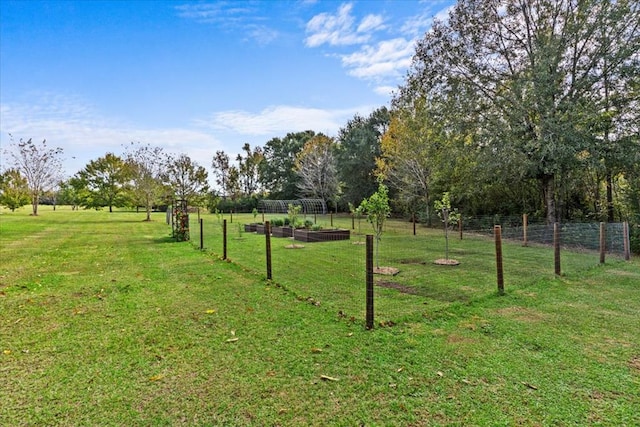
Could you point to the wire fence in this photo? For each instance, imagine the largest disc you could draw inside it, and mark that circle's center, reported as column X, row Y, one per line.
column 410, row 285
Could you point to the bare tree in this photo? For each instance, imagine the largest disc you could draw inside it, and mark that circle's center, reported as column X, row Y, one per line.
column 39, row 164
column 316, row 167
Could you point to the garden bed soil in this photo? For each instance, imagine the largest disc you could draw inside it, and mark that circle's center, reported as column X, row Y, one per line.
column 304, row 235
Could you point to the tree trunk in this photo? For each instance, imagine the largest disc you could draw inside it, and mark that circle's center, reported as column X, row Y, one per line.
column 548, row 188
column 35, row 200
column 609, row 183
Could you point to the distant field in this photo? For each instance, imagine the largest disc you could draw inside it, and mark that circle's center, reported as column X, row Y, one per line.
column 105, row 320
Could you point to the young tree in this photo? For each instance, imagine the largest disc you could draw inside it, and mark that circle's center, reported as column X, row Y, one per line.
column 40, row 165
column 146, row 165
column 448, row 216
column 14, row 190
column 106, row 180
column 377, row 209
column 316, row 169
column 188, row 180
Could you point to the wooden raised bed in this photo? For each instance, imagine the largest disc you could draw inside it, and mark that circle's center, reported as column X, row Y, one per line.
column 250, row 228
column 282, row 231
column 304, row 235
column 260, row 228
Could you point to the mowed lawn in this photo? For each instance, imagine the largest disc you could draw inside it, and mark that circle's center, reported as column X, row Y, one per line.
column 105, row 320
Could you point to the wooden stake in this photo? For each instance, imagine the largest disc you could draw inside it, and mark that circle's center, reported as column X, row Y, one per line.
column 267, row 235
column 497, row 231
column 201, row 236
column 369, row 280
column 625, row 241
column 556, row 248
column 602, row 242
column 525, row 224
column 224, row 239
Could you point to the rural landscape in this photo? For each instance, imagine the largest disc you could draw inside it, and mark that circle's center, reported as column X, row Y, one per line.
column 467, row 254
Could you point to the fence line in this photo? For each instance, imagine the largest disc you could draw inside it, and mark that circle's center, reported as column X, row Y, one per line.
column 333, row 275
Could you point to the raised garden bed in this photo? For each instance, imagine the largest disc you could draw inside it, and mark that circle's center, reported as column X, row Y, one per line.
column 304, row 235
column 282, row 231
column 260, row 228
column 250, row 228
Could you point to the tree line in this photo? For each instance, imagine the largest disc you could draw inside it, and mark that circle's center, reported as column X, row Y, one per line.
column 509, row 107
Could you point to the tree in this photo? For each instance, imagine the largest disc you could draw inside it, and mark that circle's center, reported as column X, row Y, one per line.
column 248, row 169
column 106, row 180
column 316, row 169
column 377, row 209
column 14, row 190
column 523, row 73
column 39, row 165
column 188, row 180
column 146, row 165
column 448, row 216
column 358, row 147
column 277, row 171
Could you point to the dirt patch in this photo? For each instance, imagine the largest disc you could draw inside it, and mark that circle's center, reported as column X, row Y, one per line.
column 443, row 261
column 634, row 363
column 397, row 286
column 386, row 271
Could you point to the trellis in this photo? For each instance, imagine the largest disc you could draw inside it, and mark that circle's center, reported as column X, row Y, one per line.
column 308, row 206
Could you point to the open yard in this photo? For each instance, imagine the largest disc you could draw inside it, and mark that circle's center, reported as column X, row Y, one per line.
column 105, row 320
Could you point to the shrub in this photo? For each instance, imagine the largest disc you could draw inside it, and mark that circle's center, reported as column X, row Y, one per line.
column 308, row 223
column 278, row 222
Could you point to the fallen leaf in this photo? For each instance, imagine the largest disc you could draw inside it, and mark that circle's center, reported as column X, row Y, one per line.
column 316, row 350
column 7, row 351
column 210, row 311
column 328, row 378
column 531, row 386
column 440, row 374
column 400, row 369
column 232, row 340
column 156, row 377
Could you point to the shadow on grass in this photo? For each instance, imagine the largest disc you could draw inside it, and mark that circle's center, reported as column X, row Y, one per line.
column 166, row 239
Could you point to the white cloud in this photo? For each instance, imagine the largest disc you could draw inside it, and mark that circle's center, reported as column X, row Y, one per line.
column 339, row 29
column 279, row 120
column 84, row 135
column 386, row 59
column 385, row 90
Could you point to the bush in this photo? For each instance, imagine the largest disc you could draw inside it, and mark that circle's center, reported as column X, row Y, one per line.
column 308, row 223
column 278, row 222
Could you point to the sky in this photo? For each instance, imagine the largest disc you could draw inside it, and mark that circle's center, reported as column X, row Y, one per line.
column 196, row 77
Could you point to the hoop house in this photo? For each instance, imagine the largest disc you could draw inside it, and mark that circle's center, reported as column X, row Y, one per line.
column 309, row 206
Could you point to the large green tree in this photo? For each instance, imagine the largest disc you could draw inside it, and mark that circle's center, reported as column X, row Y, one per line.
column 525, row 74
column 14, row 190
column 358, row 148
column 187, row 179
column 107, row 181
column 277, row 172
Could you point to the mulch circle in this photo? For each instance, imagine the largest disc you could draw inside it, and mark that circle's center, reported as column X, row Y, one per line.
column 443, row 261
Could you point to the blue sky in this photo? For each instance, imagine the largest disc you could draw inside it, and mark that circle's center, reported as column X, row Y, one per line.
column 197, row 77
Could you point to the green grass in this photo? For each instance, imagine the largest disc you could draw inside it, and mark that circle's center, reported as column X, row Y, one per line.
column 104, row 320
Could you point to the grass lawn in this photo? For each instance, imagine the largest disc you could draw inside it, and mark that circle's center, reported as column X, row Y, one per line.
column 104, row 320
